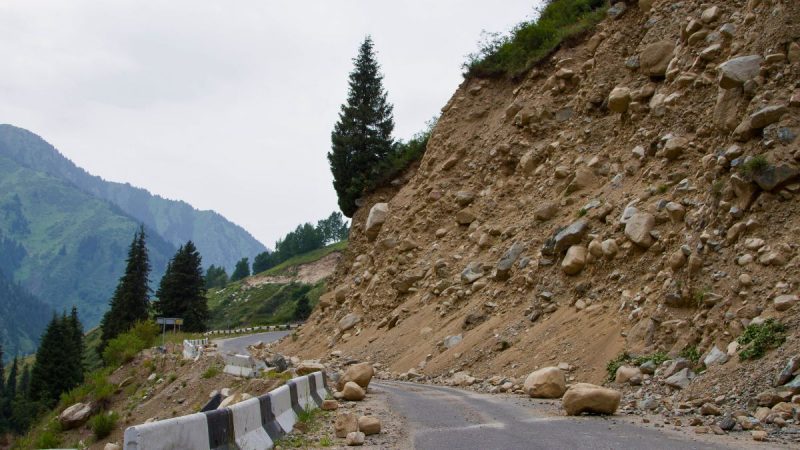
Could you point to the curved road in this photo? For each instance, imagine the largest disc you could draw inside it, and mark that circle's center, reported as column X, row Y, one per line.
column 239, row 344
column 447, row 418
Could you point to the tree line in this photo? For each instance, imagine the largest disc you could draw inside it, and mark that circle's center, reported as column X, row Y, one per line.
column 303, row 239
column 31, row 389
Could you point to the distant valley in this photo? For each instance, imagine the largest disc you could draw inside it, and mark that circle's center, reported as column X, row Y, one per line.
column 64, row 234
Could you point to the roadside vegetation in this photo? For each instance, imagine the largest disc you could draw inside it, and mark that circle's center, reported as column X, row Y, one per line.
column 528, row 43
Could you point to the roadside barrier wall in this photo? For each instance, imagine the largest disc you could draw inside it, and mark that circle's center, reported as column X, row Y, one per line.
column 252, row 424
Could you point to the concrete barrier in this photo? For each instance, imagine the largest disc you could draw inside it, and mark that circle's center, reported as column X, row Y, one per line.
column 283, row 327
column 243, row 365
column 252, row 424
column 193, row 348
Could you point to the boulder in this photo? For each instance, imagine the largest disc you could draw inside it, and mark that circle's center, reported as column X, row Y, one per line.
column 360, row 374
column 548, row 382
column 352, row 392
column 737, row 71
column 345, row 423
column 375, row 219
column 655, row 58
column 369, row 425
column 349, row 321
column 638, row 229
column 681, row 379
column 787, row 373
column 773, row 177
column 767, row 116
column 627, row 374
column 355, row 438
column 784, row 302
column 307, row 367
column 575, row 260
column 465, row 217
column 508, row 259
column 462, row 379
column 588, row 398
column 329, row 405
column 674, row 148
column 715, row 357
column 619, row 99
column 75, row 416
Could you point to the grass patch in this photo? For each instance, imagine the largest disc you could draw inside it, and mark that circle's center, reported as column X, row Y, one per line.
column 273, row 375
column 96, row 388
column 662, row 189
column 754, row 165
column 126, row 346
column 531, row 41
column 309, row 421
column 103, row 424
column 212, row 371
column 691, row 353
column 758, row 338
column 582, row 212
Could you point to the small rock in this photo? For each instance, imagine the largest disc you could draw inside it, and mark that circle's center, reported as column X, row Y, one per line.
column 329, row 405
column 352, row 392
column 710, row 409
column 355, row 438
column 575, row 260
column 369, row 425
column 759, row 435
column 784, row 302
column 344, row 424
column 735, row 72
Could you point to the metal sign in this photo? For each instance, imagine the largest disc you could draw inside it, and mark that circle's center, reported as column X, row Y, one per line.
column 169, row 321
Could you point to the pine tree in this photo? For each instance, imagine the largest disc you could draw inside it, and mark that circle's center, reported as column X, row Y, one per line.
column 242, row 270
column 216, row 277
column 75, row 348
column 362, row 138
column 182, row 291
column 131, row 298
column 11, row 384
column 54, row 370
column 2, row 374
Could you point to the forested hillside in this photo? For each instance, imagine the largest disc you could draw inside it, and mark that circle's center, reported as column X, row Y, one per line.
column 22, row 318
column 63, row 245
column 221, row 242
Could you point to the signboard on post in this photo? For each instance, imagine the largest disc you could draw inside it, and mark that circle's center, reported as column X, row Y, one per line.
column 164, row 321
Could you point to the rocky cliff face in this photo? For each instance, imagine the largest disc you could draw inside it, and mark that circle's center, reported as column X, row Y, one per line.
column 635, row 192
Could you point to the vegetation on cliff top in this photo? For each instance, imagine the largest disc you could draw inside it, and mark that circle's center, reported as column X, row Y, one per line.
column 513, row 54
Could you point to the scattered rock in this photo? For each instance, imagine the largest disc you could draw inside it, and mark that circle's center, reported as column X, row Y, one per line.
column 360, row 373
column 737, row 71
column 575, row 260
column 627, row 374
column 619, row 99
column 508, row 259
column 681, row 379
column 715, row 357
column 655, row 58
column 75, row 415
column 329, row 405
column 548, row 382
column 349, row 321
column 375, row 220
column 355, row 438
column 784, row 302
column 352, row 392
column 638, row 229
column 589, row 398
column 369, row 425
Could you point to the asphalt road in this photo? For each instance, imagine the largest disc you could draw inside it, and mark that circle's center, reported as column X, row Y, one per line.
column 445, row 418
column 239, row 344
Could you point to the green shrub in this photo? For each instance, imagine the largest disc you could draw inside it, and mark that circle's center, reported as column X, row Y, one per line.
column 625, row 358
column 103, row 424
column 48, row 439
column 658, row 358
column 758, row 338
column 122, row 349
column 95, row 387
column 211, row 372
column 531, row 41
column 690, row 352
column 754, row 165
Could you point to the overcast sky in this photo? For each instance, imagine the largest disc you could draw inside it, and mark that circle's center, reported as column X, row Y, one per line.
column 227, row 105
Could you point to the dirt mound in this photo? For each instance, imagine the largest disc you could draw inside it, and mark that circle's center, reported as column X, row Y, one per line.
column 309, row 273
column 637, row 192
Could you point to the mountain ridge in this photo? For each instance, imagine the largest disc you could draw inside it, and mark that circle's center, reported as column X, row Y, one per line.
column 176, row 220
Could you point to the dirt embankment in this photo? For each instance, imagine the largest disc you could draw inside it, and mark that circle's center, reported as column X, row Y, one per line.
column 636, row 192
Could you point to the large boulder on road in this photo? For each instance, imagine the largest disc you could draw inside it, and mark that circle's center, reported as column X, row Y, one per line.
column 589, row 398
column 360, row 373
column 548, row 382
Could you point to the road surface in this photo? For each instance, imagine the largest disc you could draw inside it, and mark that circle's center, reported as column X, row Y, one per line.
column 446, row 418
column 239, row 344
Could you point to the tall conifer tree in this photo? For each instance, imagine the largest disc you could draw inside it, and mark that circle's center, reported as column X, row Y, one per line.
column 182, row 291
column 362, row 138
column 131, row 298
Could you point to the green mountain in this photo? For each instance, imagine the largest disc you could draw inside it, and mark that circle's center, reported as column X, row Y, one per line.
column 22, row 319
column 63, row 245
column 220, row 241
